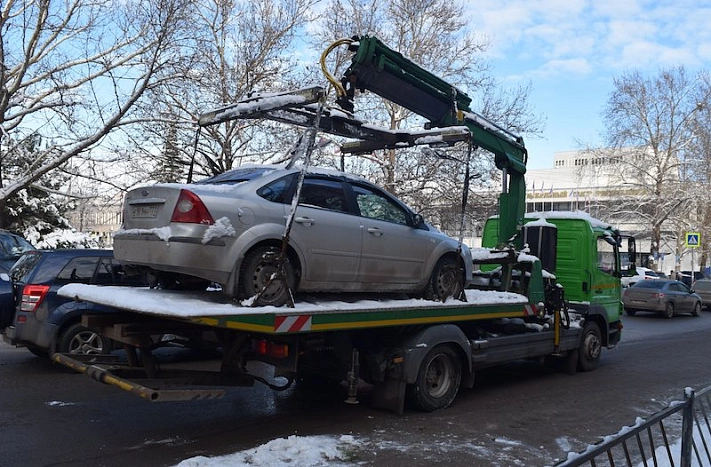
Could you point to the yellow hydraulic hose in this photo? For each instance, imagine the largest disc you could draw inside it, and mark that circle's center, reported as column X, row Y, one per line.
column 331, row 79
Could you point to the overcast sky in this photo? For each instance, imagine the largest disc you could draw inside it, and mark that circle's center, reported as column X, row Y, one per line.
column 571, row 51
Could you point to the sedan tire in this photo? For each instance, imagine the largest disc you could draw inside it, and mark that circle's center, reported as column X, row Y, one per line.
column 697, row 310
column 447, row 280
column 669, row 310
column 258, row 277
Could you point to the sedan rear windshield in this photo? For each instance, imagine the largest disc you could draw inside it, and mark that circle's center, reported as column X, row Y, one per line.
column 236, row 176
column 702, row 285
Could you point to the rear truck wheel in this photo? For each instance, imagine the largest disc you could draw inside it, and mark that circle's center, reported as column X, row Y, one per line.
column 447, row 280
column 590, row 347
column 631, row 312
column 438, row 380
column 697, row 310
column 77, row 339
column 260, row 268
column 669, row 310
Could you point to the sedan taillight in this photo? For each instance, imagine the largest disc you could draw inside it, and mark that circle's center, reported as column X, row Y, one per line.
column 658, row 295
column 32, row 296
column 191, row 210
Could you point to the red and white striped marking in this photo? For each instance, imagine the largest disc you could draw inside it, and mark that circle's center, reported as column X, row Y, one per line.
column 292, row 323
column 529, row 310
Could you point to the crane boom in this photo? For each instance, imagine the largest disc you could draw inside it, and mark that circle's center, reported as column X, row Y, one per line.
column 387, row 73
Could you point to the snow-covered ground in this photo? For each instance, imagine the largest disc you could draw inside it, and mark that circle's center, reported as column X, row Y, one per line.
column 330, row 451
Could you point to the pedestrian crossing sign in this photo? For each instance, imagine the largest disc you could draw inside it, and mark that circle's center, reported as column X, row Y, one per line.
column 693, row 239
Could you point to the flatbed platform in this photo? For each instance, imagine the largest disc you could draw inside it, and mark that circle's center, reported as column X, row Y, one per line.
column 215, row 310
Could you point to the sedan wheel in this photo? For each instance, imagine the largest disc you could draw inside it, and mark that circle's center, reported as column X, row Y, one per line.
column 447, row 280
column 669, row 310
column 259, row 277
column 697, row 310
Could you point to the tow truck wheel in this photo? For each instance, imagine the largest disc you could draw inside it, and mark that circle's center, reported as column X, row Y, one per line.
column 590, row 347
column 77, row 339
column 437, row 380
column 260, row 266
column 447, row 280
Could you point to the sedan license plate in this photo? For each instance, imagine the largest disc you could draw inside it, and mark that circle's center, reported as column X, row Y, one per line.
column 144, row 211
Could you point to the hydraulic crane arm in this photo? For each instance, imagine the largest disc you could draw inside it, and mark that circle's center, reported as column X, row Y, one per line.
column 389, row 74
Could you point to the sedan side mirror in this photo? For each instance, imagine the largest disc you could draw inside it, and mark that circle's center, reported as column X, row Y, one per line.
column 417, row 220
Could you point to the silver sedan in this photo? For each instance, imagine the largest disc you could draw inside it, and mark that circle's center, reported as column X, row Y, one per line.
column 666, row 297
column 347, row 235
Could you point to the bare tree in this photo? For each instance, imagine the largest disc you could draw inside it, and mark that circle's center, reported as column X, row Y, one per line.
column 649, row 130
column 71, row 74
column 433, row 34
column 698, row 168
column 237, row 47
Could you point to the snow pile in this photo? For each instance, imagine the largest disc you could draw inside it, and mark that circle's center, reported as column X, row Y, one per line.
column 310, row 451
column 221, row 228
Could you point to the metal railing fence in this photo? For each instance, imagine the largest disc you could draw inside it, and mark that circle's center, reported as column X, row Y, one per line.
column 679, row 435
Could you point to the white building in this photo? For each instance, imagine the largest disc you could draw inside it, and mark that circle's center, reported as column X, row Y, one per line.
column 582, row 181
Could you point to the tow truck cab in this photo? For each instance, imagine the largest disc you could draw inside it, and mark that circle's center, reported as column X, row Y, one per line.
column 584, row 256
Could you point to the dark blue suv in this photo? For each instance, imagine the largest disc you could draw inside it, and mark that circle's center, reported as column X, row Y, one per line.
column 12, row 246
column 45, row 322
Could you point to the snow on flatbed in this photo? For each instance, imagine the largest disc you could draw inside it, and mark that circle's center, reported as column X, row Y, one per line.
column 192, row 305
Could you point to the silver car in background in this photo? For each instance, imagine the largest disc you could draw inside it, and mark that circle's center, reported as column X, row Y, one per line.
column 662, row 296
column 348, row 235
column 702, row 288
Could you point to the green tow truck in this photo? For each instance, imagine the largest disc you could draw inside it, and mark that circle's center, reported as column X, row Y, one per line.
column 546, row 285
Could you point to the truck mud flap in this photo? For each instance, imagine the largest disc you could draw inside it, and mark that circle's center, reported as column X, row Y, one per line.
column 101, row 369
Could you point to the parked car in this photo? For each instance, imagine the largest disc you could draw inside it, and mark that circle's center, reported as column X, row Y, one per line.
column 702, row 288
column 46, row 323
column 642, row 273
column 663, row 296
column 348, row 235
column 689, row 277
column 12, row 246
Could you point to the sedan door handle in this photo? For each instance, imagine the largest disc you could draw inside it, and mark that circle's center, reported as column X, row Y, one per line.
column 375, row 231
column 307, row 221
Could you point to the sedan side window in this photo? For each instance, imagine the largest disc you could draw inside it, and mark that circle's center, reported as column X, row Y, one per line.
column 276, row 191
column 327, row 194
column 375, row 206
